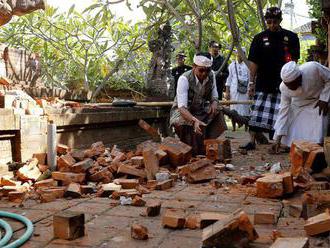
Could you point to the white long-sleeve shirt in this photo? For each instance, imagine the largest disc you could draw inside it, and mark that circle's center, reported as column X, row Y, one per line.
column 315, row 86
column 183, row 88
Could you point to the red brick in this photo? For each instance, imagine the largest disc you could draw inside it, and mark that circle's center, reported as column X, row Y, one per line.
column 130, row 170
column 73, row 191
column 45, row 183
column 29, row 171
column 104, row 176
column 51, row 194
column 193, row 221
column 82, row 166
column 189, row 168
column 42, row 157
column 318, row 224
column 151, row 163
column 218, row 149
column 104, row 161
column 16, row 196
column 7, row 181
column 78, row 155
column 62, row 149
column 139, row 232
column 138, row 161
column 69, row 225
column 138, row 201
column 203, row 174
column 288, row 187
column 164, row 185
column 127, row 183
column 125, row 192
column 174, row 218
column 153, row 208
column 178, row 152
column 149, row 129
column 270, row 186
column 65, row 162
column 68, row 177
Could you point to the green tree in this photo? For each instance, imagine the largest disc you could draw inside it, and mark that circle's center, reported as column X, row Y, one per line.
column 88, row 50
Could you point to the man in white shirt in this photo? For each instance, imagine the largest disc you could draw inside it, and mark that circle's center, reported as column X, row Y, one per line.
column 305, row 95
column 194, row 114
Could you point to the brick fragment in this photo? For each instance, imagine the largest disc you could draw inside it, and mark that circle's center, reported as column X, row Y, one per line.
column 138, row 161
column 138, row 201
column 153, row 208
column 51, row 194
column 218, row 149
column 82, row 166
column 230, row 231
column 78, row 155
column 139, row 232
column 143, row 190
column 45, row 183
column 323, row 185
column 130, row 170
column 203, row 174
column 69, row 225
column 127, row 183
column 174, row 218
column 288, row 187
column 16, row 196
column 208, row 218
column 164, row 185
column 270, row 186
column 7, row 181
column 73, row 191
column 104, row 176
column 151, row 184
column 107, row 189
column 41, row 157
column 264, row 218
column 29, row 171
column 125, row 192
column 151, row 163
column 149, row 129
column 68, row 177
column 189, row 168
column 178, row 152
column 318, row 224
column 104, row 161
column 306, row 155
column 4, row 191
column 193, row 221
column 62, row 149
column 65, row 162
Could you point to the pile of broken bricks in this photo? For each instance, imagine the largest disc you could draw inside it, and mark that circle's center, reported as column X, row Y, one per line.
column 127, row 176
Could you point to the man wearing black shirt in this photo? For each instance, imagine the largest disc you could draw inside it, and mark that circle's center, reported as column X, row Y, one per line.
column 180, row 69
column 269, row 51
column 220, row 76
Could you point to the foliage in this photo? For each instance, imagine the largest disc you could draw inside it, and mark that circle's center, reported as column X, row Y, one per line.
column 315, row 11
column 86, row 49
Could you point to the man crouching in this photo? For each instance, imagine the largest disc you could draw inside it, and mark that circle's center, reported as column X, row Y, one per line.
column 195, row 114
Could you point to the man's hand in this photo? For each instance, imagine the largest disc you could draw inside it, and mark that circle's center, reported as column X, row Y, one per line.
column 323, row 107
column 251, row 90
column 213, row 108
column 197, row 126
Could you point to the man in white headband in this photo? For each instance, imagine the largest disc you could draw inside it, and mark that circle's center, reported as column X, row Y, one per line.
column 194, row 113
column 305, row 95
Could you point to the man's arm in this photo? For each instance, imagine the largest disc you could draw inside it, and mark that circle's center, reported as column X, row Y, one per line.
column 324, row 74
column 182, row 98
column 253, row 67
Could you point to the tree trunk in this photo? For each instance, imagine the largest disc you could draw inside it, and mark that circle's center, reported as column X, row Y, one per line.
column 261, row 14
column 235, row 31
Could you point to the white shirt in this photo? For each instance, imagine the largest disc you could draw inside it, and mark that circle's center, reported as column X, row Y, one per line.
column 183, row 88
column 315, row 86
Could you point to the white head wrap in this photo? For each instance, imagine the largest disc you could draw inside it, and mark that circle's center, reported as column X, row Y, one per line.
column 290, row 71
column 201, row 60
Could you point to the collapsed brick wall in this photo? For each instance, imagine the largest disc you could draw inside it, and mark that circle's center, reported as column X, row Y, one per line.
column 19, row 65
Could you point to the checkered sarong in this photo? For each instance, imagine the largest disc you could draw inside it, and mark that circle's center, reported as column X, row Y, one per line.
column 265, row 109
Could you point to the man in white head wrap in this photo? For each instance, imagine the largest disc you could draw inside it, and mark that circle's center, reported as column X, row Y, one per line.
column 305, row 95
column 194, row 113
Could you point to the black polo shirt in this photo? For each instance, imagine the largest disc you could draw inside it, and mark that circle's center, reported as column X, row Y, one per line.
column 270, row 51
column 177, row 72
column 220, row 77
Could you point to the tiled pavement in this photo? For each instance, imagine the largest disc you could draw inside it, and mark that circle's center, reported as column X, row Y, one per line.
column 108, row 224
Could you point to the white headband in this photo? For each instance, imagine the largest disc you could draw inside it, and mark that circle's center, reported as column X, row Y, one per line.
column 201, row 60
